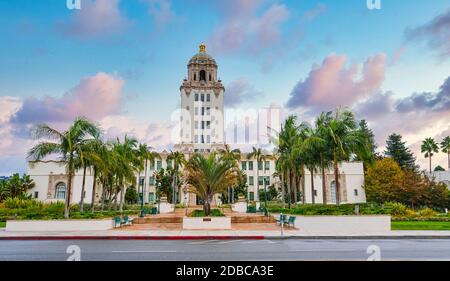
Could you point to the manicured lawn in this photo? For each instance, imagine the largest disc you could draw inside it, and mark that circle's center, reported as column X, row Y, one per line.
column 2, row 224
column 420, row 225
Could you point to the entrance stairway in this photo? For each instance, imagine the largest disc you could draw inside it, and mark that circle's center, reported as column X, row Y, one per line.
column 179, row 213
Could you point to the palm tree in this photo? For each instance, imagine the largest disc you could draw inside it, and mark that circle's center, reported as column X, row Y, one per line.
column 429, row 147
column 87, row 159
column 323, row 149
column 67, row 144
column 210, row 175
column 128, row 163
column 311, row 150
column 98, row 160
column 445, row 147
column 281, row 167
column 178, row 161
column 234, row 156
column 260, row 157
column 343, row 141
column 145, row 155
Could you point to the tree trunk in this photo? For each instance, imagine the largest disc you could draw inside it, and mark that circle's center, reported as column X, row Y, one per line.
column 324, row 185
column 138, row 185
column 103, row 194
column 122, row 197
column 83, row 185
column 336, row 178
column 207, row 206
column 294, row 184
column 313, row 200
column 283, row 190
column 93, row 189
column 289, row 188
column 69, row 189
column 303, row 180
column 430, row 164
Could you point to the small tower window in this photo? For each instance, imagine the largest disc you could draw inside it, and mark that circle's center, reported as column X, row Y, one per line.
column 202, row 75
column 209, row 77
column 195, row 76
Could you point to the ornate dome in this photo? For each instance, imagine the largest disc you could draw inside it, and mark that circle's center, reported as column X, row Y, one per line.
column 202, row 57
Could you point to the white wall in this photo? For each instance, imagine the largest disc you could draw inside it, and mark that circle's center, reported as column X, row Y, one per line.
column 58, row 225
column 39, row 172
column 332, row 225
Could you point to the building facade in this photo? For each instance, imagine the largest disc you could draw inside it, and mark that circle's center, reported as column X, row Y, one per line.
column 201, row 130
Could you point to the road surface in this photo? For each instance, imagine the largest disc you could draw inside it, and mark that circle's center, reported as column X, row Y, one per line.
column 186, row 250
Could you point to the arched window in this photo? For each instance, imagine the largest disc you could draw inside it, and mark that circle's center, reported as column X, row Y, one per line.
column 333, row 191
column 60, row 191
column 202, row 75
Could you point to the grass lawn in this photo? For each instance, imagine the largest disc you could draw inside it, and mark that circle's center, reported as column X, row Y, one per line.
column 2, row 224
column 420, row 225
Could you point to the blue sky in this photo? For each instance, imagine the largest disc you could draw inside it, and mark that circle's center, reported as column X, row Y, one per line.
column 264, row 49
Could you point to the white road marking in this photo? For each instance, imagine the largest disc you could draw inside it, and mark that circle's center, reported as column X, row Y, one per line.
column 144, row 251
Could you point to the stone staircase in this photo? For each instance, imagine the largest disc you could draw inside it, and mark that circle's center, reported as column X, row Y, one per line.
column 253, row 219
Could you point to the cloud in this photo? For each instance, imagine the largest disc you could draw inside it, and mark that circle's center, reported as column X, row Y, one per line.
column 157, row 135
column 239, row 91
column 333, row 83
column 435, row 33
column 161, row 12
column 94, row 98
column 96, row 18
column 243, row 28
column 438, row 102
column 416, row 116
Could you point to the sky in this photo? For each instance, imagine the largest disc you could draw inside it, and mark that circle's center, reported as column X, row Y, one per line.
column 120, row 63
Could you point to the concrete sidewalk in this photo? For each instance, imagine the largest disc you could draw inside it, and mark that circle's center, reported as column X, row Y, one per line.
column 220, row 234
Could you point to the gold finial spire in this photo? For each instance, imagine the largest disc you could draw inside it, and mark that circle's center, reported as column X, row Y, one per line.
column 202, row 48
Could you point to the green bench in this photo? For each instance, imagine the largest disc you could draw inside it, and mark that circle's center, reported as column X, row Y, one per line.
column 286, row 221
column 119, row 222
column 251, row 209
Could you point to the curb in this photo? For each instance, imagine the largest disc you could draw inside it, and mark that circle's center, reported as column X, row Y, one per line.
column 349, row 237
column 205, row 237
column 257, row 237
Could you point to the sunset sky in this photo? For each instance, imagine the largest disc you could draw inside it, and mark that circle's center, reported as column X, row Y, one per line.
column 121, row 63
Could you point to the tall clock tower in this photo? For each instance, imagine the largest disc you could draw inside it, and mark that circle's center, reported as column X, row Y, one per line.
column 202, row 118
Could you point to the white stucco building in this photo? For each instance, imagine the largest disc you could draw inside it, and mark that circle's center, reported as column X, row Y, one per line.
column 201, row 130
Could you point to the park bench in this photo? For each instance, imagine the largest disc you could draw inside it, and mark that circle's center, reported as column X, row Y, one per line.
column 119, row 222
column 290, row 221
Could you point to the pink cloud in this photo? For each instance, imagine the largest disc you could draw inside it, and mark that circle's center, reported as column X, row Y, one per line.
column 242, row 27
column 94, row 98
column 95, row 18
column 334, row 84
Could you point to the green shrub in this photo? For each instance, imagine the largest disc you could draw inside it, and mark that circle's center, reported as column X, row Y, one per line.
column 427, row 213
column 201, row 213
column 16, row 203
column 397, row 209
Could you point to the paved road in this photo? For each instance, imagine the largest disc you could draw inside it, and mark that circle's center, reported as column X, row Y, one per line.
column 276, row 249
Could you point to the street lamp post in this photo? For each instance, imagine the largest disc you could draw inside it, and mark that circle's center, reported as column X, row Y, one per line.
column 265, row 195
column 142, row 198
column 246, row 192
column 159, row 197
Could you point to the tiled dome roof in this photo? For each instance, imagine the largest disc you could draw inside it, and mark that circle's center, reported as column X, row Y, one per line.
column 202, row 57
